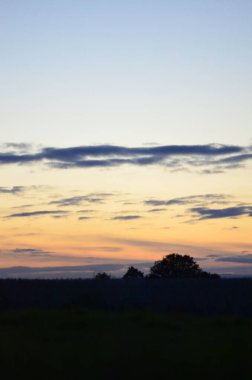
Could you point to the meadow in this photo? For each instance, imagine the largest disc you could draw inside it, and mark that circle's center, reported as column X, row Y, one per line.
column 231, row 297
column 119, row 329
column 79, row 344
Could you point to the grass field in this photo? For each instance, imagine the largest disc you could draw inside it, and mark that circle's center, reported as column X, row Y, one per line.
column 98, row 345
column 190, row 296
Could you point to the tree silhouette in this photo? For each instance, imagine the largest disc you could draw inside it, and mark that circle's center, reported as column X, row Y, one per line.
column 102, row 276
column 178, row 266
column 133, row 273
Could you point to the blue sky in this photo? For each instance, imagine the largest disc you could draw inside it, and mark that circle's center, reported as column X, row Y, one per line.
column 126, row 71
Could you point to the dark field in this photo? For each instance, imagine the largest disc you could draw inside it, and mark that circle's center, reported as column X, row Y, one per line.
column 97, row 345
column 193, row 296
column 115, row 329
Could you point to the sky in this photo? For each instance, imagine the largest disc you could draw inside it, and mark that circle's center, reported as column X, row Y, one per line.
column 125, row 134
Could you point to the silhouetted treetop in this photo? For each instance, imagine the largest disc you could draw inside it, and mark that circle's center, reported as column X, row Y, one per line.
column 133, row 273
column 178, row 266
column 102, row 276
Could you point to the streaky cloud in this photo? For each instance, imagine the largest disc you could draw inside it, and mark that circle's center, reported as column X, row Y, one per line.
column 219, row 198
column 70, row 272
column 36, row 213
column 229, row 212
column 12, row 190
column 31, row 252
column 87, row 211
column 126, row 217
column 157, row 210
column 220, row 157
column 243, row 259
column 162, row 247
column 78, row 200
column 236, row 159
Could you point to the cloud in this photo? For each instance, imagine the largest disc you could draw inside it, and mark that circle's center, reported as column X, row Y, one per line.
column 212, row 171
column 31, row 252
column 233, row 228
column 221, row 157
column 71, row 266
column 86, row 266
column 112, row 249
column 212, row 198
column 75, row 201
column 78, row 200
column 21, row 252
column 36, row 255
column 229, row 212
column 23, row 206
column 236, row 159
column 109, row 249
column 16, row 148
column 64, row 272
column 85, row 211
column 201, row 209
column 126, row 217
column 37, row 213
column 84, row 218
column 157, row 210
column 162, row 247
column 18, row 190
column 243, row 259
column 12, row 190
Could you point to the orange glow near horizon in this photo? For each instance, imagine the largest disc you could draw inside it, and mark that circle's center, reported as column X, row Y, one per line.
column 116, row 224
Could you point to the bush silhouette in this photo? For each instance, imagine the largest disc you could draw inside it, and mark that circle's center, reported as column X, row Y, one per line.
column 178, row 266
column 133, row 273
column 102, row 276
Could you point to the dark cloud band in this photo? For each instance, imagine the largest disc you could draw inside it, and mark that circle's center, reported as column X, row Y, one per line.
column 104, row 156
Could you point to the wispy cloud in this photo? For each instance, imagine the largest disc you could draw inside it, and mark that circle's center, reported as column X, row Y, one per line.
column 79, row 271
column 87, row 211
column 92, row 264
column 202, row 209
column 112, row 249
column 15, row 190
column 236, row 159
column 80, row 199
column 157, row 210
column 37, row 213
column 75, row 201
column 83, row 253
column 23, row 206
column 243, row 259
column 38, row 254
column 71, row 265
column 221, row 157
column 192, row 199
column 126, row 217
column 204, row 213
column 31, row 252
column 161, row 247
column 16, row 147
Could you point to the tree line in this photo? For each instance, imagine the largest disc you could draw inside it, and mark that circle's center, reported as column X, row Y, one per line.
column 173, row 265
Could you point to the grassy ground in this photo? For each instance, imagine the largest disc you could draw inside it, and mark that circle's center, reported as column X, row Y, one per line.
column 96, row 345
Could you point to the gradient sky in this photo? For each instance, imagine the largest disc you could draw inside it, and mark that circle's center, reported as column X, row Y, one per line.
column 155, row 98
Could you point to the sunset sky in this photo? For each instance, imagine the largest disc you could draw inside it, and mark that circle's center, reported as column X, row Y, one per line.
column 126, row 133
